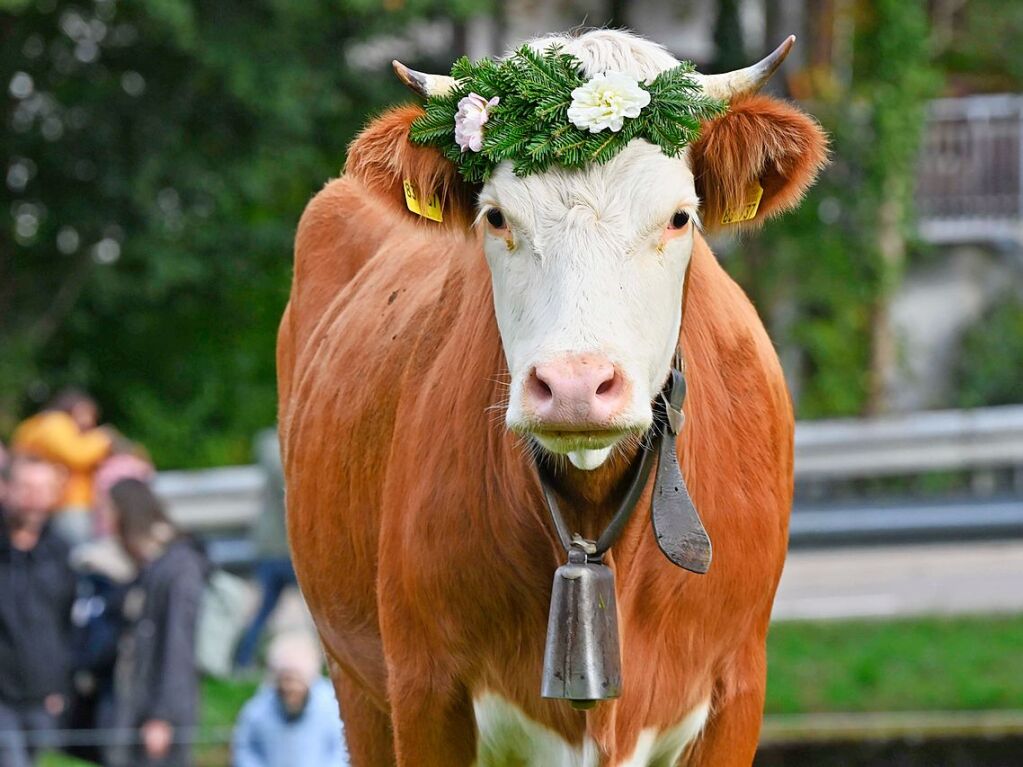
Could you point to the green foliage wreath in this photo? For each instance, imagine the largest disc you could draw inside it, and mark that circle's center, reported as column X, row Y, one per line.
column 530, row 124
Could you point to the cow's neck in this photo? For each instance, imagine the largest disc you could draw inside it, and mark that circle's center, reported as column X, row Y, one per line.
column 589, row 499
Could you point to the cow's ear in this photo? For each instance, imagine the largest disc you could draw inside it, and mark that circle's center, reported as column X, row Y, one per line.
column 758, row 141
column 387, row 163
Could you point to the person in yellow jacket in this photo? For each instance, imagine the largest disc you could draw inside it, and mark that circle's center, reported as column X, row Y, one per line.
column 65, row 433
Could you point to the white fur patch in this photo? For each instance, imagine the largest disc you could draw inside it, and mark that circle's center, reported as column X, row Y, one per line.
column 507, row 736
column 584, row 266
column 663, row 749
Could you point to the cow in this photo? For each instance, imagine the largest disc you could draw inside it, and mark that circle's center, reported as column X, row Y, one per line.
column 423, row 366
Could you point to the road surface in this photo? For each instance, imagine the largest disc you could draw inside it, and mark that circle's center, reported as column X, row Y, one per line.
column 885, row 581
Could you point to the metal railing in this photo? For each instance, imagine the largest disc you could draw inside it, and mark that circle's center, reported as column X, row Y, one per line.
column 970, row 173
column 220, row 504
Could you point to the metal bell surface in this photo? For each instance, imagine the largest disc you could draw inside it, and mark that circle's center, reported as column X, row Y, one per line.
column 582, row 660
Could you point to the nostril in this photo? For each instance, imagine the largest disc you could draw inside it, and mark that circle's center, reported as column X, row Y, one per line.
column 609, row 385
column 539, row 388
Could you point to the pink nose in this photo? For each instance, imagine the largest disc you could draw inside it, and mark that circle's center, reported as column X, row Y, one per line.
column 584, row 390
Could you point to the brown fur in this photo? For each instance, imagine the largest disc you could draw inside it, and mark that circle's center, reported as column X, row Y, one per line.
column 758, row 139
column 382, row 157
column 418, row 529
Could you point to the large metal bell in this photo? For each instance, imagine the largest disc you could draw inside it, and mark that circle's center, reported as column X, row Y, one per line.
column 582, row 661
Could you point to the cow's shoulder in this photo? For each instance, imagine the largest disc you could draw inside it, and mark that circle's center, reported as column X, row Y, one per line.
column 364, row 212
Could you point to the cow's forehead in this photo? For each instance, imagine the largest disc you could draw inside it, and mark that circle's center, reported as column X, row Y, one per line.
column 609, row 49
column 640, row 186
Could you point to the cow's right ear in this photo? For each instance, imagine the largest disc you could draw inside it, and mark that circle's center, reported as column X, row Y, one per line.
column 384, row 159
column 759, row 141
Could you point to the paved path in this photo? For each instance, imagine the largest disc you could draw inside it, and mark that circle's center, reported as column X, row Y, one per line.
column 858, row 582
column 885, row 581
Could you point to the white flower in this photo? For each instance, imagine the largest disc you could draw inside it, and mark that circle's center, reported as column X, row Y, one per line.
column 473, row 113
column 605, row 101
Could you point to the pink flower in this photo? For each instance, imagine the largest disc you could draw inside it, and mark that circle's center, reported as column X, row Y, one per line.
column 473, row 113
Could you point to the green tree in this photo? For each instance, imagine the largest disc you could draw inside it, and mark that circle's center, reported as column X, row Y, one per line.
column 729, row 50
column 991, row 357
column 823, row 276
column 157, row 157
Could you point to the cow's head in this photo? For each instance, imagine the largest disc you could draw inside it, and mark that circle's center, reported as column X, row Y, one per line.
column 588, row 265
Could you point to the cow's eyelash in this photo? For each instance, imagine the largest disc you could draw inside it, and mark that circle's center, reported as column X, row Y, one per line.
column 485, row 208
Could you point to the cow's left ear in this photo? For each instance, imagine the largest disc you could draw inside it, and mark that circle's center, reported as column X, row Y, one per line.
column 390, row 165
column 758, row 141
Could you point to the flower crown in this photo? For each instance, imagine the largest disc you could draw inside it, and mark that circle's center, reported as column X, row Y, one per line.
column 537, row 110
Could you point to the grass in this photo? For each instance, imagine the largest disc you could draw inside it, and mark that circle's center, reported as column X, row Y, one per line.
column 920, row 664
column 923, row 664
column 221, row 703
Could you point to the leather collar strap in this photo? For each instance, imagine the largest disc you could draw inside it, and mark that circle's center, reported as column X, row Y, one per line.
column 680, row 533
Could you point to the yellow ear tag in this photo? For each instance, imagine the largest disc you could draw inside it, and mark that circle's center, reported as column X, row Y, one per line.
column 431, row 208
column 748, row 211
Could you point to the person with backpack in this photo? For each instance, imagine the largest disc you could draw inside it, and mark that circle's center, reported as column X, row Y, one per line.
column 156, row 679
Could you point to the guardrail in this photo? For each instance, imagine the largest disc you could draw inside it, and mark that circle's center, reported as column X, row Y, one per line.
column 978, row 442
column 220, row 504
column 941, row 440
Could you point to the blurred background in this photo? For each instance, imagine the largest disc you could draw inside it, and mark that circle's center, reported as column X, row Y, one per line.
column 156, row 157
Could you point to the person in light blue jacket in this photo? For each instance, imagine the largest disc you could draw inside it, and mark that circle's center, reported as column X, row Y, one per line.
column 292, row 719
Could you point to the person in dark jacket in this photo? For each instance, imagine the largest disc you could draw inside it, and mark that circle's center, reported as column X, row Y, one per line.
column 37, row 588
column 156, row 682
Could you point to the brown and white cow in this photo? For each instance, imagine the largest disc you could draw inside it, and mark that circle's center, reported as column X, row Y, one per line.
column 420, row 363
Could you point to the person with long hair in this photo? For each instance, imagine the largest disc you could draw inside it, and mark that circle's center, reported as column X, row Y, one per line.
column 156, row 681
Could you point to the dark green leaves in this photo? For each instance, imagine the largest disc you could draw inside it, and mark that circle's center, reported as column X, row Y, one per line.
column 530, row 125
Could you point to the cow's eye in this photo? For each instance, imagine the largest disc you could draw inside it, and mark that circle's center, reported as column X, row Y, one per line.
column 495, row 218
column 679, row 220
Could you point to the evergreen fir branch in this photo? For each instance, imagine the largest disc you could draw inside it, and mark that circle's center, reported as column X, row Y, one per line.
column 530, row 127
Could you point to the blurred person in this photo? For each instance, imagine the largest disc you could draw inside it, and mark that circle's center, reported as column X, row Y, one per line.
column 126, row 461
column 293, row 719
column 4, row 459
column 274, row 571
column 66, row 433
column 156, row 682
column 37, row 587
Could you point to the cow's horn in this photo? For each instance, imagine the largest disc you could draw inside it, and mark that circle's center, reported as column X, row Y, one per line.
column 729, row 85
column 422, row 83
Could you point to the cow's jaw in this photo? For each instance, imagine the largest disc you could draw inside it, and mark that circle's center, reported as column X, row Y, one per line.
column 587, row 279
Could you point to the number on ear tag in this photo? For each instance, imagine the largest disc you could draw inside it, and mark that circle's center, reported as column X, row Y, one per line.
column 748, row 210
column 429, row 209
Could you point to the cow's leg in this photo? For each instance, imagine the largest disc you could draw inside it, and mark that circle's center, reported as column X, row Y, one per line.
column 433, row 724
column 367, row 726
column 731, row 735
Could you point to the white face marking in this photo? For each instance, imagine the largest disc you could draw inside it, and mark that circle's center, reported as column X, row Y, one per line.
column 583, row 270
column 587, row 267
column 507, row 736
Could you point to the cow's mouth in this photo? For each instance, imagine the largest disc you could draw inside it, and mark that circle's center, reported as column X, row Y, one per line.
column 563, row 441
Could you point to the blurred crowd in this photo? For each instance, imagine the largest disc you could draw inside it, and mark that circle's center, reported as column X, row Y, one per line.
column 109, row 611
